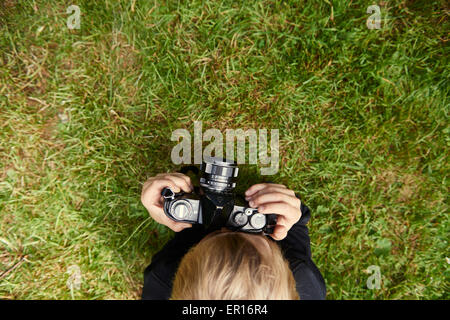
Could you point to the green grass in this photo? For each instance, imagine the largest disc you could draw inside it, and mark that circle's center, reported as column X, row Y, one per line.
column 86, row 116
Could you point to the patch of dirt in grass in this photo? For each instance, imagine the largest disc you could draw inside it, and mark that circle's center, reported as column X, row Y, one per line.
column 33, row 70
column 126, row 54
column 407, row 186
column 31, row 138
column 7, row 8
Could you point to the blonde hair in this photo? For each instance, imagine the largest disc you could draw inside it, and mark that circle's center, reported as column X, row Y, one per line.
column 229, row 266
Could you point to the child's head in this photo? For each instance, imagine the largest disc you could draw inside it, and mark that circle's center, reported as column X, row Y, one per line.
column 232, row 266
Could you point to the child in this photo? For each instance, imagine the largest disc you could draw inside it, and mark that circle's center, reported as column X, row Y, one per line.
column 233, row 265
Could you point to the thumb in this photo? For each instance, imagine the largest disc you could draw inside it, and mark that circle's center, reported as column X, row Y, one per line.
column 175, row 225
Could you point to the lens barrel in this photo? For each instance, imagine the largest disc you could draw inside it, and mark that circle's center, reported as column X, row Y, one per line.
column 218, row 174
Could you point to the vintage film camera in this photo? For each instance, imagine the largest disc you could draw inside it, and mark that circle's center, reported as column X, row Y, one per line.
column 213, row 204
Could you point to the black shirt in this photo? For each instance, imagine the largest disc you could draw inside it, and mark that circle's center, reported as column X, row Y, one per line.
column 158, row 276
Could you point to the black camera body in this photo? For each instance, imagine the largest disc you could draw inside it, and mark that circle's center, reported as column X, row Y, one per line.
column 213, row 204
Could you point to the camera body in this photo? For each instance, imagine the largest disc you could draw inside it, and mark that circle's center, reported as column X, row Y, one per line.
column 214, row 203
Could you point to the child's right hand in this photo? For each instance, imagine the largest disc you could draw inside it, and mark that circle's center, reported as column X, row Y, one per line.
column 278, row 199
column 153, row 201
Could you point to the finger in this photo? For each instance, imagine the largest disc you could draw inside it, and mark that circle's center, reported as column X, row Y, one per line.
column 157, row 213
column 151, row 181
column 177, row 174
column 180, row 182
column 147, row 183
column 165, row 176
column 185, row 177
column 269, row 189
column 256, row 187
column 279, row 233
column 287, row 214
column 159, row 184
column 159, row 216
column 274, row 197
column 152, row 192
column 176, row 226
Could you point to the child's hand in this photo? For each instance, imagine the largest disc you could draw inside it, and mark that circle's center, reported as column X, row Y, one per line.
column 275, row 198
column 153, row 201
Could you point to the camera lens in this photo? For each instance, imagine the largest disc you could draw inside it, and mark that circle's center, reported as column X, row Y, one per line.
column 218, row 174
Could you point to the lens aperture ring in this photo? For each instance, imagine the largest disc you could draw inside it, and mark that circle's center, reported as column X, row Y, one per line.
column 218, row 174
column 217, row 170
